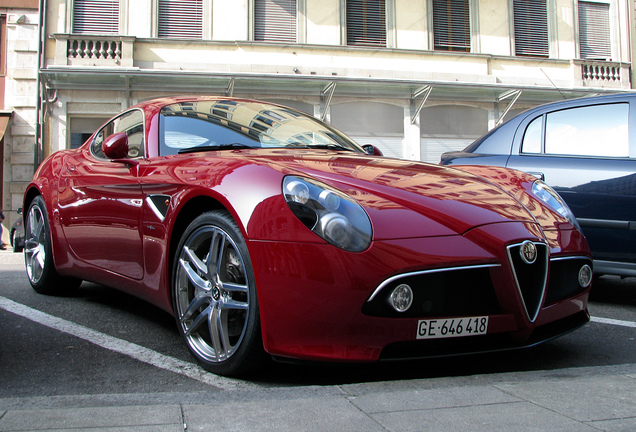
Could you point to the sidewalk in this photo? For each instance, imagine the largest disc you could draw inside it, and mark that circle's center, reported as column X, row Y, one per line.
column 578, row 400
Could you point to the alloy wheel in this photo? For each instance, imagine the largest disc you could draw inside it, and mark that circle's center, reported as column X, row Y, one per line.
column 212, row 294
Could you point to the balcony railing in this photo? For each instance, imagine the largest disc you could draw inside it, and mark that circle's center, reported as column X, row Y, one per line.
column 604, row 74
column 94, row 50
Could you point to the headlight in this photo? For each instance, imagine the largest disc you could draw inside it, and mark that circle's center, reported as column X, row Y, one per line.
column 549, row 196
column 329, row 213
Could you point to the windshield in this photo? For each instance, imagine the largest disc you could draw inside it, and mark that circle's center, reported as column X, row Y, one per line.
column 231, row 124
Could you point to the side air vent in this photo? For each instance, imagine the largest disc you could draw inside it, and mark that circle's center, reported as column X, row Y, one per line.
column 529, row 262
column 159, row 204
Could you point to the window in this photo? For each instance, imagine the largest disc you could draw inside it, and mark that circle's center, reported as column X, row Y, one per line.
column 599, row 130
column 3, row 55
column 275, row 20
column 131, row 122
column 532, row 138
column 594, row 31
column 218, row 125
column 96, row 16
column 180, row 19
column 82, row 128
column 531, row 28
column 366, row 23
column 451, row 25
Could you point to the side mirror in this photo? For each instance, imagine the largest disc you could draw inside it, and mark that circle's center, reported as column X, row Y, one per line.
column 372, row 150
column 19, row 210
column 115, row 146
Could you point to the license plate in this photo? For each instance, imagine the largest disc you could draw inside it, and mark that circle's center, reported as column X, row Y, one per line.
column 452, row 327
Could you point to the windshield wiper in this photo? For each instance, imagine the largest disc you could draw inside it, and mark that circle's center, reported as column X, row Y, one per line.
column 327, row 147
column 231, row 146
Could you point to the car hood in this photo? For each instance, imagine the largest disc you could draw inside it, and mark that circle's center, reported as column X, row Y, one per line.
column 406, row 198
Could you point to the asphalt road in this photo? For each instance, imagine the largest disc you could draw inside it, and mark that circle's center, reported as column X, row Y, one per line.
column 101, row 342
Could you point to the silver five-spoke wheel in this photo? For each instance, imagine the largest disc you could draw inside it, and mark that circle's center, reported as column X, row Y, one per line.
column 214, row 295
column 35, row 242
column 38, row 253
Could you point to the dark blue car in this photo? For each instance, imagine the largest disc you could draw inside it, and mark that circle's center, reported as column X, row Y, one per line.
column 586, row 149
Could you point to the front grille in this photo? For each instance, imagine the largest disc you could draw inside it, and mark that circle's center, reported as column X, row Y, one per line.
column 531, row 278
column 466, row 291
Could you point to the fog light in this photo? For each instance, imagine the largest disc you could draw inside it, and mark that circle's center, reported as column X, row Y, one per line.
column 401, row 298
column 585, row 276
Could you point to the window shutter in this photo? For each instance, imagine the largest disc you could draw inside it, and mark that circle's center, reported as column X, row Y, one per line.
column 181, row 19
column 451, row 25
column 96, row 16
column 275, row 20
column 531, row 28
column 594, row 31
column 366, row 22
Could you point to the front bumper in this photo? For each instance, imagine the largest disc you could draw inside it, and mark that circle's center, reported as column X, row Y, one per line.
column 320, row 303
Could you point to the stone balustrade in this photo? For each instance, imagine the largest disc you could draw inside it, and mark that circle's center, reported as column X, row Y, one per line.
column 604, row 74
column 94, row 50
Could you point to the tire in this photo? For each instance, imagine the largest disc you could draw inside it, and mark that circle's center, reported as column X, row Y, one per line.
column 214, row 296
column 38, row 254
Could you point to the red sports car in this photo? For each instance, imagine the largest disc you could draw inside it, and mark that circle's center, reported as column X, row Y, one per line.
column 268, row 232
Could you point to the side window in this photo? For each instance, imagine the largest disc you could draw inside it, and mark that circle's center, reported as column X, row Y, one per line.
column 132, row 123
column 532, row 137
column 600, row 130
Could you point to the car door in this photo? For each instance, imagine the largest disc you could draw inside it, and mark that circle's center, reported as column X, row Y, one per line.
column 586, row 153
column 100, row 201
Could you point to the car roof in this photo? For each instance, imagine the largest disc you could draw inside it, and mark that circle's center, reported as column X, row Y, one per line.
column 506, row 131
column 585, row 100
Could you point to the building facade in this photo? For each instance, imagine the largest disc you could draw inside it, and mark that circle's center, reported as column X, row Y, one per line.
column 18, row 94
column 414, row 77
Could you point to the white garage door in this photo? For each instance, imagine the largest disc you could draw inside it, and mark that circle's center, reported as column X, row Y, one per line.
column 432, row 148
column 389, row 146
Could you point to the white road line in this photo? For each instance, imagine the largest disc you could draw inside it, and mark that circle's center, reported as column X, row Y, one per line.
column 121, row 346
column 154, row 358
column 613, row 322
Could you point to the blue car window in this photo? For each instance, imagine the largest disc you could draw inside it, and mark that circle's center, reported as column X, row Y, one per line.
column 599, row 130
column 532, row 137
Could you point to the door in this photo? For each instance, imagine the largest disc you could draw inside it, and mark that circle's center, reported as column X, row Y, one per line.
column 101, row 200
column 585, row 154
